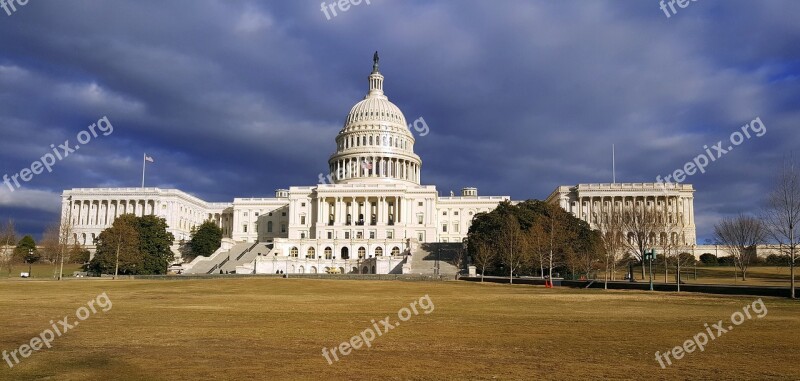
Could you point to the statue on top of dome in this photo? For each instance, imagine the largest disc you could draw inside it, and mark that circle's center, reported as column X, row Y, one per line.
column 375, row 60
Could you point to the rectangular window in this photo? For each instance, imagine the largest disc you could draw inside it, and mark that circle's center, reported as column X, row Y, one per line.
column 419, row 203
column 256, row 214
column 372, row 234
column 421, row 236
column 420, row 219
column 283, row 214
column 303, row 204
column 359, row 235
column 245, row 214
column 330, row 234
column 390, row 234
column 455, row 227
column 244, row 228
column 302, row 220
column 303, row 235
column 444, row 228
column 444, row 213
column 455, row 213
column 346, row 235
column 283, row 228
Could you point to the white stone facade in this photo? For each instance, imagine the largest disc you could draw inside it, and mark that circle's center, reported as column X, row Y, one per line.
column 371, row 214
column 90, row 210
column 368, row 220
column 591, row 202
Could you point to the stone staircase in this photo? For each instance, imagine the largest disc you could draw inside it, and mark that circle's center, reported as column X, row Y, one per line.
column 219, row 260
column 246, row 257
column 423, row 259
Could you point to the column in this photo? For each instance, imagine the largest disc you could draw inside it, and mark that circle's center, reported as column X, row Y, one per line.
column 397, row 210
column 381, row 213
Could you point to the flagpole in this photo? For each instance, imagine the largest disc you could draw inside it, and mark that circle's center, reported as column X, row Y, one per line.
column 613, row 165
column 144, row 164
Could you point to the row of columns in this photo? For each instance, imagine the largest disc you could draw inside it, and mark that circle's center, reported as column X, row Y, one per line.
column 385, row 208
column 375, row 166
column 104, row 212
column 610, row 204
column 375, row 140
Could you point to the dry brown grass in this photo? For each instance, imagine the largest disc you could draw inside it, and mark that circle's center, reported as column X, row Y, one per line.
column 756, row 275
column 269, row 329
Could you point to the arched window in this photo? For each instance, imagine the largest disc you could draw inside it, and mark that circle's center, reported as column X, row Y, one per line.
column 378, row 251
column 395, row 251
column 311, row 253
column 362, row 252
column 363, row 140
column 328, row 253
column 293, row 252
column 370, row 140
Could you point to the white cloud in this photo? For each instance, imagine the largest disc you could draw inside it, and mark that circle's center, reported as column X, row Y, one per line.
column 30, row 199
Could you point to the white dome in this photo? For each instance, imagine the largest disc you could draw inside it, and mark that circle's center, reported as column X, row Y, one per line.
column 375, row 108
column 375, row 144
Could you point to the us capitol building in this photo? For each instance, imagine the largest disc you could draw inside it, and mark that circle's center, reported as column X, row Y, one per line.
column 374, row 217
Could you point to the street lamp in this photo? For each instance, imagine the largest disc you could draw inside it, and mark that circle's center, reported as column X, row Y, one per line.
column 649, row 254
column 30, row 258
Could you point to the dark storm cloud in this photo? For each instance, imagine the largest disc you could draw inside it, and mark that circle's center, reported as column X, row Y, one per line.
column 237, row 98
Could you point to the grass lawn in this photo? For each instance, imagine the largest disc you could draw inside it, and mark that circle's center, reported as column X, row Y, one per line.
column 756, row 275
column 40, row 270
column 274, row 329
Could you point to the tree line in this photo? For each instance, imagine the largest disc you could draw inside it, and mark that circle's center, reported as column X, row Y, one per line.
column 54, row 248
column 534, row 237
column 132, row 245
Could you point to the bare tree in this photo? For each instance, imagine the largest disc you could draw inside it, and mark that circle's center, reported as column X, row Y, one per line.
column 782, row 214
column 740, row 235
column 511, row 245
column 670, row 242
column 611, row 237
column 8, row 237
column 557, row 236
column 64, row 235
column 51, row 249
column 483, row 255
column 536, row 244
column 641, row 225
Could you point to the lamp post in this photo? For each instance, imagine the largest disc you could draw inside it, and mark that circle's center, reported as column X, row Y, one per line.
column 30, row 257
column 436, row 264
column 648, row 255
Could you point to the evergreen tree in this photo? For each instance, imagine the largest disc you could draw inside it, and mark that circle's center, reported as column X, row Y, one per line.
column 206, row 240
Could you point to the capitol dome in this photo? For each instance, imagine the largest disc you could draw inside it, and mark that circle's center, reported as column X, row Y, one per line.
column 375, row 145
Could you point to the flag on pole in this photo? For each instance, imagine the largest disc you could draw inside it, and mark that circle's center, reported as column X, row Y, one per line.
column 144, row 165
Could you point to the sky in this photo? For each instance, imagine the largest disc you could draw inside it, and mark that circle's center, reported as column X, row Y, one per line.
column 238, row 98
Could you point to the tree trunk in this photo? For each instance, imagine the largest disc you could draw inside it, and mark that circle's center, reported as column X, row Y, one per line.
column 643, row 275
column 792, row 270
column 541, row 266
column 792, row 275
